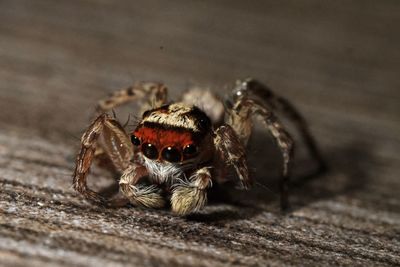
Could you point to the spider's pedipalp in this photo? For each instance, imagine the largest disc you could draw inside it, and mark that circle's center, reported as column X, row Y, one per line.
column 191, row 195
column 140, row 194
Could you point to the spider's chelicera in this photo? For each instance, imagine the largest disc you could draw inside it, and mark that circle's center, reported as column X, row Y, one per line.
column 178, row 150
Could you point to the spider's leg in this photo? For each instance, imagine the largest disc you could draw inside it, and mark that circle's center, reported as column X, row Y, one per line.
column 191, row 195
column 254, row 89
column 102, row 160
column 154, row 94
column 243, row 109
column 230, row 151
column 112, row 138
column 140, row 194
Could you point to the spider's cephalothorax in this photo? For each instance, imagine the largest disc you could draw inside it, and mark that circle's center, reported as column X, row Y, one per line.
column 178, row 150
column 172, row 139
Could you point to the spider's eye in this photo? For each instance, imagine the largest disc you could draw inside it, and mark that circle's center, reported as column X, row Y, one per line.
column 146, row 113
column 135, row 140
column 171, row 154
column 203, row 123
column 189, row 150
column 150, row 151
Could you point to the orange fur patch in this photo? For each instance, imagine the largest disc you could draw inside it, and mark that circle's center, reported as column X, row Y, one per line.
column 164, row 138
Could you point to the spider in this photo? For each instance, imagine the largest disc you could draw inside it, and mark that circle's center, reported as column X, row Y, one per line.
column 179, row 149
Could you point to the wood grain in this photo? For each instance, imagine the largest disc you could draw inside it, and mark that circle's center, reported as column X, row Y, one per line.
column 337, row 61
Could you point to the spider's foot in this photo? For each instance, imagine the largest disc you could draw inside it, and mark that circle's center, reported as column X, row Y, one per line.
column 146, row 196
column 95, row 198
column 186, row 199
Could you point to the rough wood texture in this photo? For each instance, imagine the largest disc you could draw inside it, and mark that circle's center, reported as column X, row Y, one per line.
column 338, row 61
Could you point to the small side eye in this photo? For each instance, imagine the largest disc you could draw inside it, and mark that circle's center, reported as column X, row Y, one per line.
column 135, row 140
column 204, row 123
column 146, row 113
column 171, row 154
column 190, row 150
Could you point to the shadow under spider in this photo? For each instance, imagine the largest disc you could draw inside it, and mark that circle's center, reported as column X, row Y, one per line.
column 346, row 174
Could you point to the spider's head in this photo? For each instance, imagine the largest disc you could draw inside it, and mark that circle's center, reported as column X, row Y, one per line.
column 175, row 133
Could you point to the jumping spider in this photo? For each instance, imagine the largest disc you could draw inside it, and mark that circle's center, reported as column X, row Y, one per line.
column 178, row 150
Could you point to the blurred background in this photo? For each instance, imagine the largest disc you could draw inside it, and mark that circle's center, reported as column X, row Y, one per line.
column 332, row 59
column 337, row 61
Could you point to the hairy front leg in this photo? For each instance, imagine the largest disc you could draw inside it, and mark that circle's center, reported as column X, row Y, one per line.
column 118, row 149
column 191, row 195
column 139, row 193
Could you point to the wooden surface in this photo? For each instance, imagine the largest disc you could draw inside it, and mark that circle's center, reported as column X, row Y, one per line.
column 338, row 61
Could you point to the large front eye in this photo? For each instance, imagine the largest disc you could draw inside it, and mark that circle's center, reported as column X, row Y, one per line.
column 150, row 151
column 171, row 154
column 135, row 140
column 189, row 150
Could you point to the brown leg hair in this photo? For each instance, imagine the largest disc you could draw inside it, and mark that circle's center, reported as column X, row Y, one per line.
column 267, row 102
column 254, row 89
column 241, row 114
column 155, row 95
column 232, row 152
column 102, row 126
